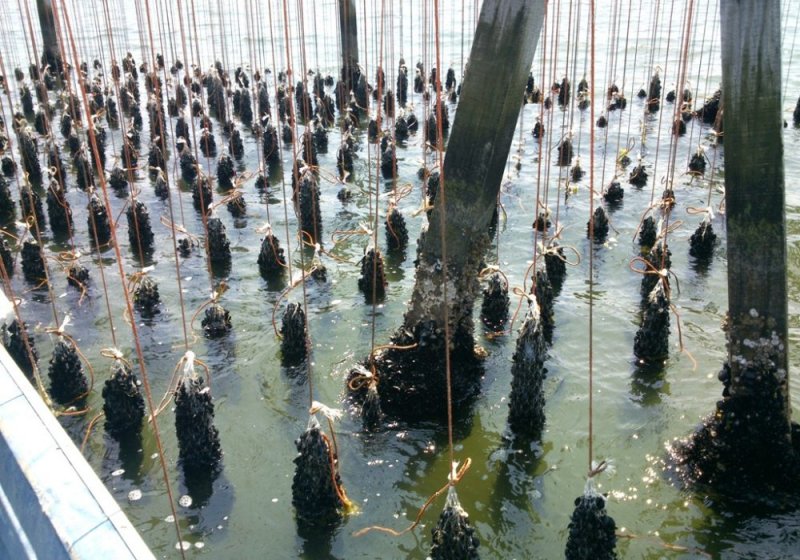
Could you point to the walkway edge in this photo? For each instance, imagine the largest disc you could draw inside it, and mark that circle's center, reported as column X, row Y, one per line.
column 52, row 504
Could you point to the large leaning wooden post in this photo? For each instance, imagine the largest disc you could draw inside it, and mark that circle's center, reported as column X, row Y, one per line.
column 50, row 53
column 411, row 382
column 748, row 443
column 348, row 33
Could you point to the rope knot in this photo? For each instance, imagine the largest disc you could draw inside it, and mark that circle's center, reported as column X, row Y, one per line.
column 331, row 414
column 266, row 229
column 114, row 354
column 188, row 364
column 599, row 467
column 363, row 378
column 60, row 330
column 517, row 291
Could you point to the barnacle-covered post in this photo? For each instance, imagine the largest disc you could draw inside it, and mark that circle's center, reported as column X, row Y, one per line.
column 50, row 53
column 348, row 31
column 502, row 52
column 747, row 445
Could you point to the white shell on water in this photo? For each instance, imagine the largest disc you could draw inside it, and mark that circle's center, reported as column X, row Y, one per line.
column 183, row 545
column 185, row 500
column 134, row 495
column 118, row 472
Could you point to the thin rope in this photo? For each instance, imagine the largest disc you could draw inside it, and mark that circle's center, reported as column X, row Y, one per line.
column 128, row 304
column 159, row 116
column 280, row 145
column 443, row 234
column 378, row 159
column 661, row 110
column 593, row 34
column 293, row 124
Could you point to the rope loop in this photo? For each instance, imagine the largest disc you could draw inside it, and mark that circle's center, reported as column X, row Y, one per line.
column 453, row 478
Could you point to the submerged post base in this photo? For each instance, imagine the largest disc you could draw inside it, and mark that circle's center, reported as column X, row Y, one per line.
column 411, row 382
column 747, row 449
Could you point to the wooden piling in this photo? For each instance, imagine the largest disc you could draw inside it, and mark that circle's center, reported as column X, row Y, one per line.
column 754, row 187
column 413, row 381
column 348, row 32
column 50, row 53
column 746, row 449
column 491, row 98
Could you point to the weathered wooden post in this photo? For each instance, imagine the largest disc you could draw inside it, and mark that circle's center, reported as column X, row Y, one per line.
column 348, row 33
column 50, row 53
column 411, row 382
column 747, row 445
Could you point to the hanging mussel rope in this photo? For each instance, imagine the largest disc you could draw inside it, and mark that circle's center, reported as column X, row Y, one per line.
column 68, row 383
column 219, row 247
column 118, row 180
column 597, row 228
column 31, row 205
column 372, row 280
column 29, row 153
column 555, row 261
column 294, row 336
column 6, row 256
column 216, row 320
column 613, row 194
column 58, row 210
column 651, row 343
column 372, row 416
column 202, row 192
column 146, row 298
column 33, row 267
column 647, row 234
column 21, row 347
column 140, row 232
column 453, row 536
column 494, row 308
column 307, row 197
column 7, row 209
column 271, row 258
column 123, row 403
column 200, row 452
column 99, row 223
column 526, row 402
column 396, row 230
column 226, row 173
column 703, row 240
column 545, row 295
column 592, row 532
column 318, row 495
column 658, row 259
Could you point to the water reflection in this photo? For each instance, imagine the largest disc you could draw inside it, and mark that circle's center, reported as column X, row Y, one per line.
column 649, row 383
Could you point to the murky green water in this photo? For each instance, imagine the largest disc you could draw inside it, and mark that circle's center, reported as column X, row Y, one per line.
column 518, row 499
